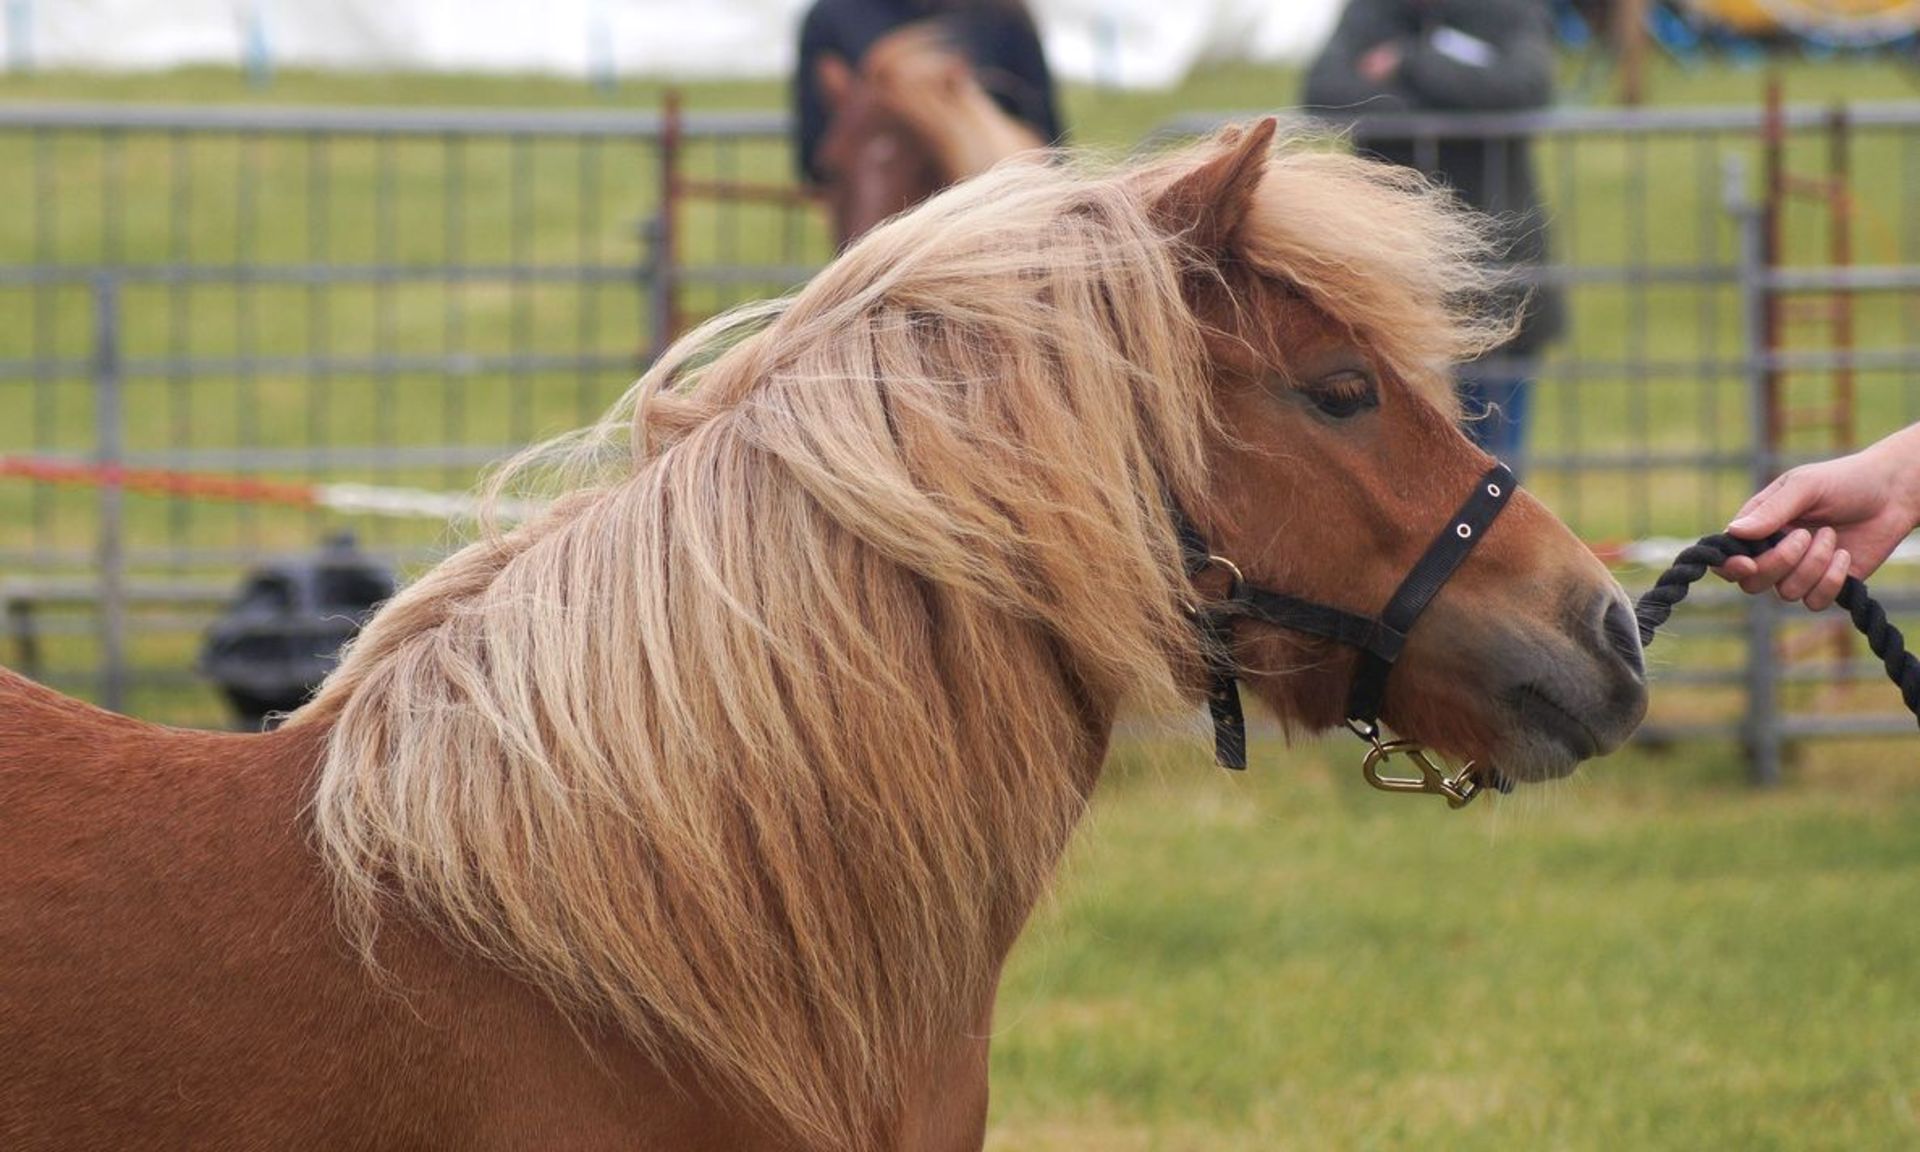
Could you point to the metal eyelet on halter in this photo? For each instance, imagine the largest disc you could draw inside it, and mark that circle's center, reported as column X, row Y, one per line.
column 1464, row 531
column 1493, row 490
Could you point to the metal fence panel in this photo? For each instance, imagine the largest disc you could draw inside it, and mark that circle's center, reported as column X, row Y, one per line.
column 401, row 297
column 291, row 295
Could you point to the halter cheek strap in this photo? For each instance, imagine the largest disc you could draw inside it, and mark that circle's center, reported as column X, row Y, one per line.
column 1380, row 639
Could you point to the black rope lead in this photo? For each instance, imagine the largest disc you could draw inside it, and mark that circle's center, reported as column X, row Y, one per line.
column 1653, row 609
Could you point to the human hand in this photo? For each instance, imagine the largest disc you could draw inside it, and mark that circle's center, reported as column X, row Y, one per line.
column 1847, row 516
column 1380, row 62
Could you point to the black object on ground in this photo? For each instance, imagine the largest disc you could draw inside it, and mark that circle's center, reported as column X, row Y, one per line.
column 284, row 631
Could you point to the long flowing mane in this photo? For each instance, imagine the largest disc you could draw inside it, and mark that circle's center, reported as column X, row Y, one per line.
column 760, row 742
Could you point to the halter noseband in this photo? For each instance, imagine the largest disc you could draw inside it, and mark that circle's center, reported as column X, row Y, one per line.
column 1380, row 639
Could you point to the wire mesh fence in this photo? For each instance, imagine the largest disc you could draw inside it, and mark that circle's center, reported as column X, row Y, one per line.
column 279, row 296
column 398, row 299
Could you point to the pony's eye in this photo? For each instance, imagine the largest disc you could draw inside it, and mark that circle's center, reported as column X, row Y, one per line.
column 1343, row 394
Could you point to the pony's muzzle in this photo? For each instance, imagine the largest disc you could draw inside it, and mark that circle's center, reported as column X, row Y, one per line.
column 1575, row 698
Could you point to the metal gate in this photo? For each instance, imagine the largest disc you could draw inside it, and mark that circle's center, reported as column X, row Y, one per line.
column 231, row 332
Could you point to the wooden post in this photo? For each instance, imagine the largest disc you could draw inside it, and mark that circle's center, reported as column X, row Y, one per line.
column 1630, row 48
column 666, row 228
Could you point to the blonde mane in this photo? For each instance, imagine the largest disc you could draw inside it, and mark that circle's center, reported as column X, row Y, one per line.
column 763, row 740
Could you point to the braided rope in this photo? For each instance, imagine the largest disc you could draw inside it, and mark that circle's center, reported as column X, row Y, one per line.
column 1653, row 609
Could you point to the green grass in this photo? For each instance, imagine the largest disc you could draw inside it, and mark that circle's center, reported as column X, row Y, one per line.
column 1651, row 956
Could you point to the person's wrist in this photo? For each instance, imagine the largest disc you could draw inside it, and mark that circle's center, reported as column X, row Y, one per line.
column 1899, row 457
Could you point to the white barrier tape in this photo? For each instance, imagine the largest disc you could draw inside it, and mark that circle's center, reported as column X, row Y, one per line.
column 378, row 501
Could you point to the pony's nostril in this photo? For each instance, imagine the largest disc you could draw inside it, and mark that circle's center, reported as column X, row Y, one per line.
column 1623, row 634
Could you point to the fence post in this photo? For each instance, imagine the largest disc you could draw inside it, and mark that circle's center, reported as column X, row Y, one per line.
column 109, row 451
column 1762, row 730
column 665, row 312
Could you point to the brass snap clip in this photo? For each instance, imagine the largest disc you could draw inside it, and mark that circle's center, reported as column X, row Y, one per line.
column 1459, row 789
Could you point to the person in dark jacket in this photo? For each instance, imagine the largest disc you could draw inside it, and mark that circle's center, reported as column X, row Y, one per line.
column 998, row 36
column 1460, row 56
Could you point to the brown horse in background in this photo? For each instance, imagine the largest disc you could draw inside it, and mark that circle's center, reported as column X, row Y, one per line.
column 702, row 810
column 914, row 119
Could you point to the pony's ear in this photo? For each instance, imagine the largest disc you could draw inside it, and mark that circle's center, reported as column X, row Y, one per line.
column 835, row 79
column 1208, row 203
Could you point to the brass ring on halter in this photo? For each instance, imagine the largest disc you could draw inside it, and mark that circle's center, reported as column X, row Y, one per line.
column 1464, row 786
column 1370, row 731
column 1232, row 568
column 1212, row 560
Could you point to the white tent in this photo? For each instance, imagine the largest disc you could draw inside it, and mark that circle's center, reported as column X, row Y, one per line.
column 1123, row 43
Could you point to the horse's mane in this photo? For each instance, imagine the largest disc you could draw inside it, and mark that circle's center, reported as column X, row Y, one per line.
column 761, row 742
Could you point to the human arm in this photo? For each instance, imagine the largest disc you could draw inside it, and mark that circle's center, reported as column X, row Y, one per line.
column 1483, row 56
column 1346, row 75
column 1005, row 46
column 1847, row 515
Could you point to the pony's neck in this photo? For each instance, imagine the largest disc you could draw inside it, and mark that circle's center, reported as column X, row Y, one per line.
column 803, row 901
column 763, row 742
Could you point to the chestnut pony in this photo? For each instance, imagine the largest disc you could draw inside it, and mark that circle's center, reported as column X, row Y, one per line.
column 701, row 810
column 914, row 119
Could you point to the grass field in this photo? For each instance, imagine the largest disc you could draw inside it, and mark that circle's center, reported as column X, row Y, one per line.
column 1651, row 956
column 1648, row 956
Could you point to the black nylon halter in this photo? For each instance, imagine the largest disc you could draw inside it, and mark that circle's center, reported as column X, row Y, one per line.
column 1380, row 639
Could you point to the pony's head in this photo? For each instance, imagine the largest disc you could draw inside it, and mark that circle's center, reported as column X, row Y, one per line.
column 1336, row 296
